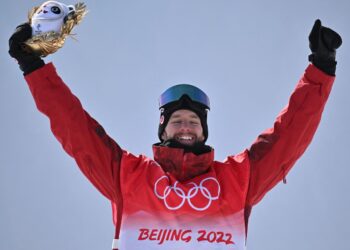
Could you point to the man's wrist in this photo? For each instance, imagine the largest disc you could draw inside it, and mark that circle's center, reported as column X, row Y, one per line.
column 326, row 65
column 29, row 67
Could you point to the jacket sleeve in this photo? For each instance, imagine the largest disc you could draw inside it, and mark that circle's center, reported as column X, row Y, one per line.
column 276, row 150
column 96, row 154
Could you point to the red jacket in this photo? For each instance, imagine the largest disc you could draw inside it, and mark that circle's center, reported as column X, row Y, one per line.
column 180, row 200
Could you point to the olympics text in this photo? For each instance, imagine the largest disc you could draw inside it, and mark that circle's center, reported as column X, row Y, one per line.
column 163, row 235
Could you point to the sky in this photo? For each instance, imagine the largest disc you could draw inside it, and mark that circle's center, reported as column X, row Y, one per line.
column 246, row 55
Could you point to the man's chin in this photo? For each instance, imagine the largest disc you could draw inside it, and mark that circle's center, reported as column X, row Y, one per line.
column 186, row 143
column 192, row 144
column 180, row 143
column 197, row 147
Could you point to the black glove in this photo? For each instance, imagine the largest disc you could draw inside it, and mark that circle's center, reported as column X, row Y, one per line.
column 323, row 43
column 28, row 61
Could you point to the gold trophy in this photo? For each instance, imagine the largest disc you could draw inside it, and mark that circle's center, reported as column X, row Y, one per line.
column 51, row 23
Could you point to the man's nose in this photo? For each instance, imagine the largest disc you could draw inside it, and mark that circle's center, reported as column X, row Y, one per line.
column 185, row 125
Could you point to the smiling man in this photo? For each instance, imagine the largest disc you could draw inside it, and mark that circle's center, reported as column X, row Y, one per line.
column 183, row 199
column 185, row 127
column 183, row 118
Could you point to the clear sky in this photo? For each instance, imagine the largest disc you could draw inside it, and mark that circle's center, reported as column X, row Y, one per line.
column 246, row 55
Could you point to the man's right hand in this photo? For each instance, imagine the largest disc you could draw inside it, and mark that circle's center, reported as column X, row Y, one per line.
column 28, row 61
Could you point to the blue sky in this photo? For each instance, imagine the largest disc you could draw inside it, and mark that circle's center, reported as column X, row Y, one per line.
column 246, row 55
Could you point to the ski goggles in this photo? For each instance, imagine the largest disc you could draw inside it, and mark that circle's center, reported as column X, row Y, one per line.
column 175, row 93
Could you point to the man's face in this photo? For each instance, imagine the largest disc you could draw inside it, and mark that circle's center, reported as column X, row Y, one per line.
column 185, row 127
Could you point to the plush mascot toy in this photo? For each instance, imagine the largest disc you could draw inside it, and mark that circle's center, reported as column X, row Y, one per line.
column 51, row 23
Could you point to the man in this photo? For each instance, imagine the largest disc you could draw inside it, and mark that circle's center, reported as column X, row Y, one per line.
column 183, row 199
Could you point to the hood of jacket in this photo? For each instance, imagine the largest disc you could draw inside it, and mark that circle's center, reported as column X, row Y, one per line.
column 182, row 165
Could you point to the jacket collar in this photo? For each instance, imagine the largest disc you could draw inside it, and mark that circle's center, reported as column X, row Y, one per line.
column 183, row 166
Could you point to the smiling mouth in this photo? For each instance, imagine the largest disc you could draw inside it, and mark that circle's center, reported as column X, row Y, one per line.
column 185, row 139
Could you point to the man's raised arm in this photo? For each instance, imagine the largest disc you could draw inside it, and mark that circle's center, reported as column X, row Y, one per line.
column 277, row 149
column 97, row 155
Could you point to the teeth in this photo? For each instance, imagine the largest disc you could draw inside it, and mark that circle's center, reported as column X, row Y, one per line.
column 185, row 138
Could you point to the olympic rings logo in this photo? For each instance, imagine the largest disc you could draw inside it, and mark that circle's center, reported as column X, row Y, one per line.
column 177, row 193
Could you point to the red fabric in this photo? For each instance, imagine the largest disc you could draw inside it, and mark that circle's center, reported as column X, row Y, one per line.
column 129, row 181
column 277, row 149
